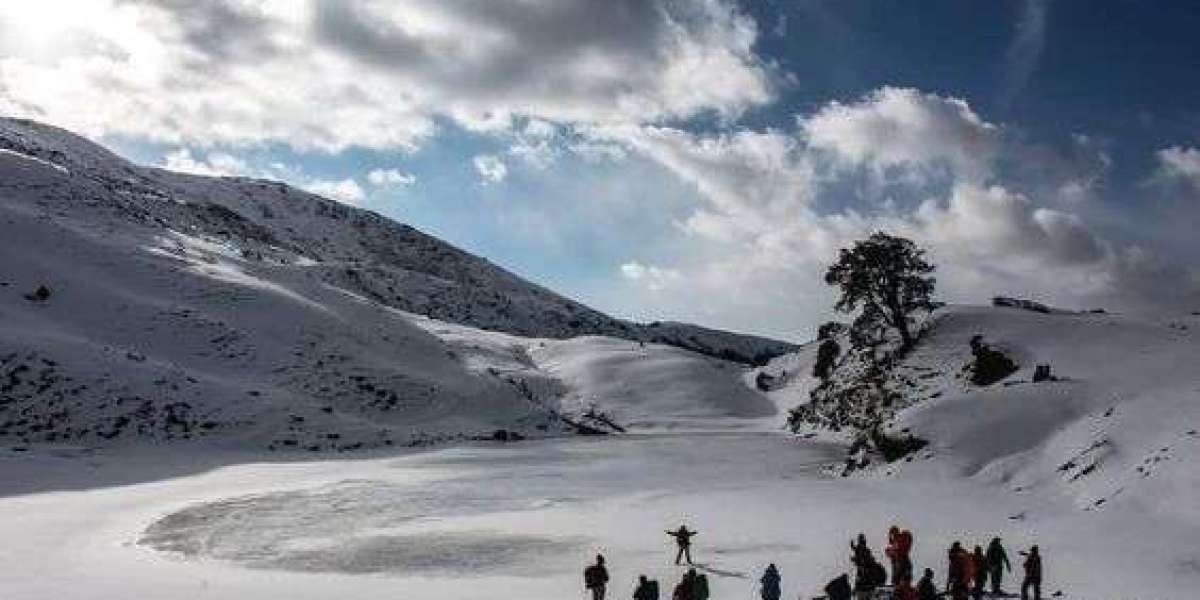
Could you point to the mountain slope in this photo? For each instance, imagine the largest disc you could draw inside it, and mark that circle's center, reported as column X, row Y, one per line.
column 182, row 307
column 357, row 250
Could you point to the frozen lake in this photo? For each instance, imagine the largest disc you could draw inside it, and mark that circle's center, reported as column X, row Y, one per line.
column 507, row 510
column 523, row 518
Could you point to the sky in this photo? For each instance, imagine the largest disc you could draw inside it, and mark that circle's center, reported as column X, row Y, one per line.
column 697, row 160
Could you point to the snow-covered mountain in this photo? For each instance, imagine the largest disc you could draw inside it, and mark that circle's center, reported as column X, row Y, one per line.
column 141, row 303
column 1115, row 424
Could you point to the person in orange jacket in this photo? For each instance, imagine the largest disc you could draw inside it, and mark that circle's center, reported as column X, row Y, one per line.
column 979, row 572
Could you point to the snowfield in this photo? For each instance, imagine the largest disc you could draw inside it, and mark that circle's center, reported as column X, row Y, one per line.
column 231, row 389
column 466, row 521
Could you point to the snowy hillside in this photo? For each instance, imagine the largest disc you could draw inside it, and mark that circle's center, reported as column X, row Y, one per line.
column 1115, row 424
column 271, row 223
column 181, row 307
column 641, row 385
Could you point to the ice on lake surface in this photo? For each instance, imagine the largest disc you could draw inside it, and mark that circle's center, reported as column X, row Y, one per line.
column 389, row 524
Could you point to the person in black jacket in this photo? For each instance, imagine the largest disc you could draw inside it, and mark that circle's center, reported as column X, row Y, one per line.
column 926, row 590
column 839, row 588
column 997, row 562
column 683, row 539
column 595, row 578
column 686, row 589
column 1033, row 574
column 646, row 589
column 770, row 583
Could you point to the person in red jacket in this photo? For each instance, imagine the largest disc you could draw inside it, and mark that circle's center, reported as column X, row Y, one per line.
column 904, row 590
column 1033, row 574
column 979, row 572
column 957, row 575
column 898, row 550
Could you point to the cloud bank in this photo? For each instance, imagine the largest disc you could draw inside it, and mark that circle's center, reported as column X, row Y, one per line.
column 772, row 212
column 238, row 72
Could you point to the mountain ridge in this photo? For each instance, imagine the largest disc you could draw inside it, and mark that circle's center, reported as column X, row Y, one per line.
column 138, row 303
column 358, row 249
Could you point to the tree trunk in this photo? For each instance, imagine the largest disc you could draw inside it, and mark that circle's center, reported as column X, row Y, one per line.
column 905, row 336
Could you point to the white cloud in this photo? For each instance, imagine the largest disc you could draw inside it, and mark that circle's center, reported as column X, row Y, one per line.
column 1026, row 48
column 538, row 144
column 1180, row 163
column 772, row 213
column 491, row 169
column 653, row 277
column 751, row 178
column 222, row 164
column 390, row 178
column 343, row 190
column 902, row 127
column 219, row 164
column 235, row 72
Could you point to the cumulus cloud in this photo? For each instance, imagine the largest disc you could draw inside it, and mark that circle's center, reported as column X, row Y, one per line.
column 1180, row 163
column 902, row 127
column 491, row 168
column 751, row 179
column 238, row 72
column 342, row 190
column 390, row 178
column 764, row 231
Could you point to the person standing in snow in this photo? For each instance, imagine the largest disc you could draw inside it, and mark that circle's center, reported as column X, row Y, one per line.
column 1033, row 574
column 683, row 540
column 978, row 572
column 926, row 590
column 997, row 562
column 595, row 578
column 646, row 589
column 685, row 589
column 956, row 573
column 899, row 550
column 869, row 576
column 770, row 583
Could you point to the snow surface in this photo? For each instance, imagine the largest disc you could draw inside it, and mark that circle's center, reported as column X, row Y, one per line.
column 490, row 520
column 178, row 417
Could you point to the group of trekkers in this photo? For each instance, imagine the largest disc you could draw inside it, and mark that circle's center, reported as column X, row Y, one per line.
column 967, row 575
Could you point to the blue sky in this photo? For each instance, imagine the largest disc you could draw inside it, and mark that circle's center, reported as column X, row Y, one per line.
column 685, row 159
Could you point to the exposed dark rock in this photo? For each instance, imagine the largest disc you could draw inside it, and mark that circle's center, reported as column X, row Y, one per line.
column 990, row 365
